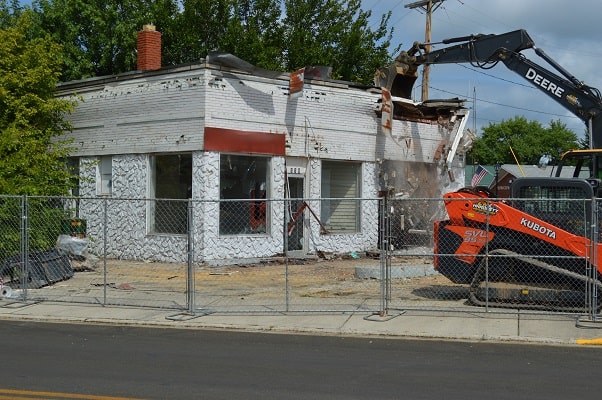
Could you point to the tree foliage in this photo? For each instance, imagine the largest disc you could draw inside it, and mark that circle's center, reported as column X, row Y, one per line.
column 31, row 119
column 99, row 36
column 335, row 33
column 528, row 139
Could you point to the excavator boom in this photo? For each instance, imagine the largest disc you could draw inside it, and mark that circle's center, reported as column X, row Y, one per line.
column 485, row 51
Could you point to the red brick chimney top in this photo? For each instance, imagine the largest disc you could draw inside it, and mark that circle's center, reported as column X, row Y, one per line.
column 149, row 49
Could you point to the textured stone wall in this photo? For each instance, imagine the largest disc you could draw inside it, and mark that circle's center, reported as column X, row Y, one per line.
column 125, row 214
column 214, row 246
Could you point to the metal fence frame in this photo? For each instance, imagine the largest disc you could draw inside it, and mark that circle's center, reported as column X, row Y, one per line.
column 188, row 299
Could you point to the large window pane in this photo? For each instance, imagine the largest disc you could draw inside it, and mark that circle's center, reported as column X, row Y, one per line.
column 340, row 180
column 243, row 178
column 172, row 186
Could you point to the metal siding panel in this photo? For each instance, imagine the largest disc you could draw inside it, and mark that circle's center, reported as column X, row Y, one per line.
column 344, row 183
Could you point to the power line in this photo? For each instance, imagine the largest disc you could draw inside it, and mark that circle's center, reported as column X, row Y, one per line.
column 373, row 8
column 496, row 77
column 507, row 105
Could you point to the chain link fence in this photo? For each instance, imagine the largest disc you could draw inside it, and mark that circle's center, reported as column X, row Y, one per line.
column 495, row 254
column 303, row 255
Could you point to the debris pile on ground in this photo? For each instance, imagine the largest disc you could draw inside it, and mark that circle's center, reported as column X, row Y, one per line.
column 77, row 250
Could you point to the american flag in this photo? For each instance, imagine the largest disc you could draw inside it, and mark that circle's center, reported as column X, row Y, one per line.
column 478, row 175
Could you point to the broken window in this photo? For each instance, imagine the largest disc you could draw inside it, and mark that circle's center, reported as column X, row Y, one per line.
column 243, row 178
column 340, row 181
column 171, row 186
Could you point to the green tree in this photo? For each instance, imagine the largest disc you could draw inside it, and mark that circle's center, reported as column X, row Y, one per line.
column 31, row 118
column 255, row 33
column 528, row 139
column 584, row 141
column 99, row 36
column 335, row 33
column 32, row 154
column 202, row 25
column 9, row 11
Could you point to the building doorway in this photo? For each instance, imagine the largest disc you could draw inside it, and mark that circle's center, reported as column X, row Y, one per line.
column 296, row 214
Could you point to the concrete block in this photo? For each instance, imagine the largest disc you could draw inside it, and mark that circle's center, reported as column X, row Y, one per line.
column 406, row 271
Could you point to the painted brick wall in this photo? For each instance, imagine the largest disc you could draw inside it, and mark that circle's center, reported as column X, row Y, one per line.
column 367, row 238
column 326, row 121
column 152, row 114
column 209, row 244
column 124, row 214
column 168, row 113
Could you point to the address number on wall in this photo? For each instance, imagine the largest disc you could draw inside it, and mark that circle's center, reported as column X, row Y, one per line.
column 295, row 170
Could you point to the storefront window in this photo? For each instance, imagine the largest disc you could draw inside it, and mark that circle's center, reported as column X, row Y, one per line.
column 243, row 190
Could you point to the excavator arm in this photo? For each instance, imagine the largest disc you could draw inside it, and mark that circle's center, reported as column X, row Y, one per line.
column 485, row 51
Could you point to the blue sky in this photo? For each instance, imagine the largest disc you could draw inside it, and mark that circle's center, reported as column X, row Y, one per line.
column 568, row 31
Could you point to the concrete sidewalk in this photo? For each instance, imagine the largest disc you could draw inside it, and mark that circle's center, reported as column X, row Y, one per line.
column 508, row 326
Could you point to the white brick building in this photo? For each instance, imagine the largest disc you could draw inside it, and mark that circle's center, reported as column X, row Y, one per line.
column 211, row 133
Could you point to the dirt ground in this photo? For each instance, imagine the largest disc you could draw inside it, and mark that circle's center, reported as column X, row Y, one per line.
column 317, row 278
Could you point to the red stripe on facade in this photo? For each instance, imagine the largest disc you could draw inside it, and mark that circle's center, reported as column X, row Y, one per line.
column 235, row 141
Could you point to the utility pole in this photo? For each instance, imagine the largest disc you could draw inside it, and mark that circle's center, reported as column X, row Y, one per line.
column 429, row 6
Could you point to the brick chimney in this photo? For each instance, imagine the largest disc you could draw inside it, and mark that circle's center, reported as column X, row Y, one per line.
column 149, row 49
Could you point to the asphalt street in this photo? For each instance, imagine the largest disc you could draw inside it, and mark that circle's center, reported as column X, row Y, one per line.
column 89, row 361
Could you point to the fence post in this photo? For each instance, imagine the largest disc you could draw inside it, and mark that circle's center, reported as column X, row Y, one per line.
column 190, row 312
column 385, row 257
column 287, row 218
column 104, row 256
column 190, row 284
column 24, row 245
column 487, row 255
column 593, row 300
column 591, row 320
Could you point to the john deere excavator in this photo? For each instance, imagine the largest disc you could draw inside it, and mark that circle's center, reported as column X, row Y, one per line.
column 539, row 248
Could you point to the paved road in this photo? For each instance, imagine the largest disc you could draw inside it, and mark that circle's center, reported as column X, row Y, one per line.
column 157, row 363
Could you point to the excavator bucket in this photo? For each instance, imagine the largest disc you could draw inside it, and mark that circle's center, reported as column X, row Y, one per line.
column 398, row 78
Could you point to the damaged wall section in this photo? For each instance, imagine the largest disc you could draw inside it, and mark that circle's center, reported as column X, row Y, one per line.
column 424, row 145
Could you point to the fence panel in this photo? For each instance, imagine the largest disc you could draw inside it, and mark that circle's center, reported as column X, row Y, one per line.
column 303, row 255
column 342, row 275
column 414, row 282
column 533, row 254
column 235, row 243
column 143, row 249
column 98, row 250
column 12, row 245
column 313, row 270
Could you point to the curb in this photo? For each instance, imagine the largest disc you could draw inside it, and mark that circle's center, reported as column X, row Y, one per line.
column 597, row 341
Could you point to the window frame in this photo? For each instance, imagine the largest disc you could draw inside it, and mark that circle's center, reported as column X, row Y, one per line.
column 173, row 204
column 104, row 173
column 247, row 216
